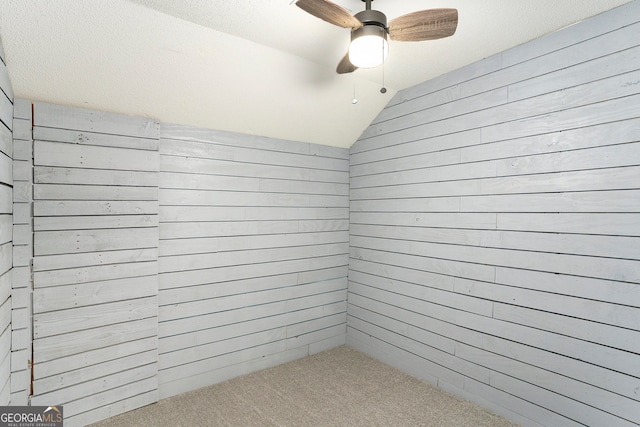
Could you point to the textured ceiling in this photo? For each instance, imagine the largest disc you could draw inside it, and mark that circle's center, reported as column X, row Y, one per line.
column 261, row 67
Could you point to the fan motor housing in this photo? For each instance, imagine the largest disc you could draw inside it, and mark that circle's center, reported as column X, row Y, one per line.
column 372, row 17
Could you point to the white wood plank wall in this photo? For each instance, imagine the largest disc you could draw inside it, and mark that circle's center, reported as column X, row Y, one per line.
column 22, row 284
column 253, row 254
column 6, row 235
column 495, row 229
column 95, row 264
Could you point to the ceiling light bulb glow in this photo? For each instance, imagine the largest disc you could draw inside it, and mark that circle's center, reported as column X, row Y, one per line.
column 369, row 46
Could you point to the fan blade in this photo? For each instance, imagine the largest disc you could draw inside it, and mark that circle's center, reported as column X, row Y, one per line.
column 345, row 66
column 424, row 25
column 330, row 12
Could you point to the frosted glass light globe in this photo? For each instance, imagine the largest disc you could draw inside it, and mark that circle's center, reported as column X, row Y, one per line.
column 369, row 46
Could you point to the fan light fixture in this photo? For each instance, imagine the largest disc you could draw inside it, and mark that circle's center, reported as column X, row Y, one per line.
column 369, row 46
column 369, row 29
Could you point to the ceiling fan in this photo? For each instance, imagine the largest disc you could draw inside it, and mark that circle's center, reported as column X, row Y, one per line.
column 369, row 30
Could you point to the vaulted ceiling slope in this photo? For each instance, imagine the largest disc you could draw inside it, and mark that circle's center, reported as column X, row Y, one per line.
column 261, row 67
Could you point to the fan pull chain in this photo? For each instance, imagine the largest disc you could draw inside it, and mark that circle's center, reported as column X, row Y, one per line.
column 383, row 89
column 354, row 101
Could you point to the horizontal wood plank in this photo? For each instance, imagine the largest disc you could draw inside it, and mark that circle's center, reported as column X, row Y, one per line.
column 57, row 116
column 248, row 257
column 222, row 274
column 92, row 192
column 54, row 262
column 204, row 245
column 72, row 276
column 86, row 318
column 58, row 154
column 229, row 168
column 89, row 294
column 85, row 137
column 76, row 241
column 59, row 223
column 45, row 208
column 62, row 175
column 192, row 149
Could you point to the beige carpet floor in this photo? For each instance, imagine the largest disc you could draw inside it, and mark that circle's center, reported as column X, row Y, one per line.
column 338, row 387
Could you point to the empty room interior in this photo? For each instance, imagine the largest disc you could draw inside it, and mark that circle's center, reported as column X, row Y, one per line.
column 196, row 191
